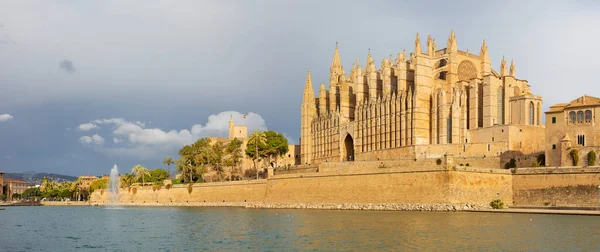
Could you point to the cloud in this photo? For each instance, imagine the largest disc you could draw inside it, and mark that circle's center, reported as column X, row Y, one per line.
column 133, row 139
column 67, row 66
column 5, row 117
column 87, row 127
column 95, row 139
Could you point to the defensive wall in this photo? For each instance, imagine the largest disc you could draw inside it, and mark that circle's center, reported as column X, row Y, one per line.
column 429, row 181
column 562, row 186
column 350, row 182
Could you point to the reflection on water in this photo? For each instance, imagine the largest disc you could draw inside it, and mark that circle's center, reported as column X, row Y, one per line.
column 219, row 229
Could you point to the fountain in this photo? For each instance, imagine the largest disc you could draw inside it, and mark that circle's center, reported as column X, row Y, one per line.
column 113, row 185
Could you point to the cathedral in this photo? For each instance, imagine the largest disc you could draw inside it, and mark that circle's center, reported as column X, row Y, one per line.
column 429, row 103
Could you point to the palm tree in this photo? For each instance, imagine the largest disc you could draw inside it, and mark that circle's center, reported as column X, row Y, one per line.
column 257, row 137
column 140, row 171
column 168, row 161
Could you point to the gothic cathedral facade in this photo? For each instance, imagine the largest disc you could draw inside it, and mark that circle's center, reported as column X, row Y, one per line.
column 426, row 104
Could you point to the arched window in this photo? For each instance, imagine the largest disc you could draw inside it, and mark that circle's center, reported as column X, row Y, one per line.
column 572, row 117
column 579, row 116
column 500, row 105
column 588, row 116
column 442, row 63
column 531, row 114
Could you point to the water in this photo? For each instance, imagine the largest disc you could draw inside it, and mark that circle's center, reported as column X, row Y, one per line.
column 114, row 183
column 239, row 229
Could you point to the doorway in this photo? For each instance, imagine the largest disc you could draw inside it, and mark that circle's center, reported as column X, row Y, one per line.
column 349, row 144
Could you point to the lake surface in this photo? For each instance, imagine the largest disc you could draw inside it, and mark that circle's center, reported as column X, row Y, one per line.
column 230, row 229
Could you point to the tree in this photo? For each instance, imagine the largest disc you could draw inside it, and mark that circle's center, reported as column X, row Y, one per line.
column 234, row 150
column 591, row 158
column 158, row 175
column 257, row 138
column 97, row 184
column 168, row 161
column 140, row 172
column 276, row 145
column 127, row 180
column 184, row 165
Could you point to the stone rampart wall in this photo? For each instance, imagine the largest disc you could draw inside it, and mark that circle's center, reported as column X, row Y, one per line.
column 563, row 186
column 393, row 185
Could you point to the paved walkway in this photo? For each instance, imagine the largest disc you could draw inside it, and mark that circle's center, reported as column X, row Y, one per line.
column 539, row 211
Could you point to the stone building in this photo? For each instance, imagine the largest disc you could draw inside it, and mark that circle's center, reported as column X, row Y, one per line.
column 292, row 157
column 572, row 126
column 425, row 104
column 12, row 186
column 86, row 181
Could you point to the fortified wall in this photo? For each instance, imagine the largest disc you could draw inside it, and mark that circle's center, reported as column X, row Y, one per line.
column 385, row 182
column 356, row 182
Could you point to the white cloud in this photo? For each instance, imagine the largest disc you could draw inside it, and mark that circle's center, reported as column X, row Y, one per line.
column 95, row 139
column 5, row 117
column 138, row 141
column 87, row 126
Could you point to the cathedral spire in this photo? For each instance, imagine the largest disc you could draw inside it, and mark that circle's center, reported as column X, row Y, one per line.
column 430, row 49
column 336, row 70
column 452, row 45
column 336, row 58
column 309, row 92
column 371, row 67
column 486, row 67
column 503, row 67
column 511, row 71
column 418, row 45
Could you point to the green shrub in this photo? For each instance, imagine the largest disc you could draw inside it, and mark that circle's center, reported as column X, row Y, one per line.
column 438, row 161
column 168, row 186
column 546, row 203
column 497, row 204
column 190, row 188
column 536, row 164
column 382, row 166
column 2, row 197
column 575, row 156
column 591, row 158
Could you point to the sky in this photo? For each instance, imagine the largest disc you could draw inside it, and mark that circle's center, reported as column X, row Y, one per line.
column 85, row 85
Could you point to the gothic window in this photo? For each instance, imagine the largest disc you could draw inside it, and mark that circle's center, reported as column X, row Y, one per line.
column 466, row 71
column 580, row 116
column 588, row 116
column 572, row 117
column 531, row 113
column 500, row 96
column 442, row 63
column 442, row 75
column 449, row 131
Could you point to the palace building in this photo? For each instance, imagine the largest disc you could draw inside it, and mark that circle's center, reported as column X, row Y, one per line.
column 429, row 103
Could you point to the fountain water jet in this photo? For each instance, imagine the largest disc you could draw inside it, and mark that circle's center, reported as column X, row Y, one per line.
column 113, row 185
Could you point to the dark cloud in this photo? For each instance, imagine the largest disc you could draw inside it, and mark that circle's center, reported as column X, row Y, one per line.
column 67, row 66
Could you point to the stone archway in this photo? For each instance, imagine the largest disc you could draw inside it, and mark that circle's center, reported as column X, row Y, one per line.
column 349, row 147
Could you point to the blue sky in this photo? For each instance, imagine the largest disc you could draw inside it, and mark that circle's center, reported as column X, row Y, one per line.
column 88, row 84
